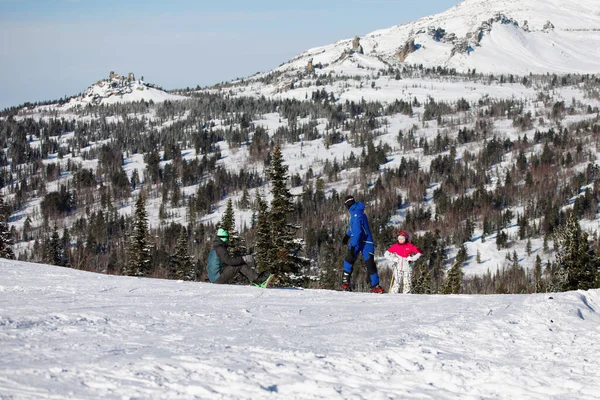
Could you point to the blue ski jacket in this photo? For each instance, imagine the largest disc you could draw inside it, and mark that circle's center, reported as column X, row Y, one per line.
column 359, row 231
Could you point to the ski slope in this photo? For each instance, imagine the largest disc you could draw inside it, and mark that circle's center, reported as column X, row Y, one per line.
column 72, row 334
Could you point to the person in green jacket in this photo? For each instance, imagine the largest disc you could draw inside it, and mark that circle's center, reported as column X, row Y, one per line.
column 223, row 267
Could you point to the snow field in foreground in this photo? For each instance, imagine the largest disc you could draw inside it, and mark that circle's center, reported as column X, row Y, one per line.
column 71, row 334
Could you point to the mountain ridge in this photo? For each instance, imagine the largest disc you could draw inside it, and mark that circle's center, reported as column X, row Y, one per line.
column 491, row 37
column 566, row 35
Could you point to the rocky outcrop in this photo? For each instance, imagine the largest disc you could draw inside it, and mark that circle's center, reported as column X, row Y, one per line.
column 356, row 47
column 503, row 19
column 404, row 51
column 461, row 46
column 548, row 26
column 115, row 85
column 486, row 26
column 438, row 34
column 472, row 39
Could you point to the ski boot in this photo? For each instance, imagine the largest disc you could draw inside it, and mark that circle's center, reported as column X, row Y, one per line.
column 263, row 279
column 346, row 282
column 376, row 289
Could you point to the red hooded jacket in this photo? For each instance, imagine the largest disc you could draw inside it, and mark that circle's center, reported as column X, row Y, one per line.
column 404, row 250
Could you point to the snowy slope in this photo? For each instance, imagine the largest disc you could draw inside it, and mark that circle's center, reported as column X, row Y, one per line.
column 71, row 334
column 116, row 89
column 138, row 92
column 507, row 36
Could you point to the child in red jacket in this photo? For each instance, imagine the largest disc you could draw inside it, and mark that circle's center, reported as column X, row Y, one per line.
column 402, row 254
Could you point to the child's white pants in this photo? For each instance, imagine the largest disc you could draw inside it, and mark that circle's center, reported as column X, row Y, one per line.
column 402, row 272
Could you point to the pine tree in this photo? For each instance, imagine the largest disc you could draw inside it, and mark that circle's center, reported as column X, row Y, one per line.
column 6, row 242
column 139, row 249
column 523, row 226
column 461, row 255
column 263, row 235
column 329, row 267
column 515, row 260
column 528, row 247
column 183, row 267
column 501, row 238
column 26, row 228
column 236, row 246
column 577, row 267
column 162, row 212
column 422, row 283
column 245, row 200
column 227, row 221
column 537, row 275
column 191, row 209
column 65, row 243
column 469, row 229
column 283, row 254
column 487, row 228
column 54, row 253
column 135, row 178
column 452, row 285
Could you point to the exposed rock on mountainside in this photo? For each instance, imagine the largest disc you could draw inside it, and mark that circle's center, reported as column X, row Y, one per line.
column 118, row 89
column 356, row 45
column 509, row 36
column 404, row 51
column 115, row 85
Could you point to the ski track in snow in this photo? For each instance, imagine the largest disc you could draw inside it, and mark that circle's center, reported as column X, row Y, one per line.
column 72, row 334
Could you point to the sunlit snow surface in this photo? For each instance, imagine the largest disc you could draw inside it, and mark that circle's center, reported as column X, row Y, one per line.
column 73, row 334
column 572, row 46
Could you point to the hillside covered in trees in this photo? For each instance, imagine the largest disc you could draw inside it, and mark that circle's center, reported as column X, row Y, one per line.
column 138, row 188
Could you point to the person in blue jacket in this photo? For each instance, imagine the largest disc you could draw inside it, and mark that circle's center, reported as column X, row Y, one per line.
column 359, row 240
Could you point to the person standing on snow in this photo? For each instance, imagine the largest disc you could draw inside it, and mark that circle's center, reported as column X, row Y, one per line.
column 222, row 267
column 359, row 240
column 402, row 254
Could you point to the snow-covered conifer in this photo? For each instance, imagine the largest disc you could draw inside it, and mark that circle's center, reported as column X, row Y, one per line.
column 139, row 250
column 6, row 242
column 578, row 267
column 183, row 267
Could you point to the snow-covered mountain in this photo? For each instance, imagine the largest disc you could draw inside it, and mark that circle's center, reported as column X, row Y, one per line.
column 348, row 76
column 505, row 36
column 76, row 335
column 118, row 89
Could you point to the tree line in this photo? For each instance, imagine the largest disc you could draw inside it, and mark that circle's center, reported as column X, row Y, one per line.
column 81, row 225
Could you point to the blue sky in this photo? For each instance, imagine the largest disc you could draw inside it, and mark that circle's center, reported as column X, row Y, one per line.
column 55, row 48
